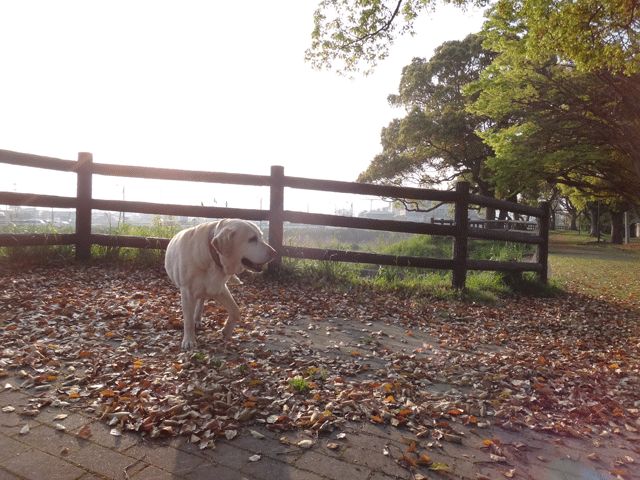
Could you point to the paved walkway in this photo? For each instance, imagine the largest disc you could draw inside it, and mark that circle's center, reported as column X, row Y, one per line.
column 55, row 443
column 363, row 452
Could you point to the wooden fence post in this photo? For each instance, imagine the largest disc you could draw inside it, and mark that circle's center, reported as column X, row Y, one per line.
column 83, row 208
column 276, row 214
column 542, row 251
column 460, row 241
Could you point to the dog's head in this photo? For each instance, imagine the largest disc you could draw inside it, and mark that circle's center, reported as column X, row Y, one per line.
column 241, row 246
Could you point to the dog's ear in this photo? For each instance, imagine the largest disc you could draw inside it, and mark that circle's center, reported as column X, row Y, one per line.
column 223, row 241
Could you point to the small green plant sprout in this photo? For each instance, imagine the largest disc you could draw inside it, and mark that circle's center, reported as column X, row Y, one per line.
column 299, row 384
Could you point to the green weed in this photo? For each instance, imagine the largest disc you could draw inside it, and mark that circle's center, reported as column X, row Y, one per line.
column 299, row 384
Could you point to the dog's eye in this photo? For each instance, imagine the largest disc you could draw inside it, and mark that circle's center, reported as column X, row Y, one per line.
column 253, row 239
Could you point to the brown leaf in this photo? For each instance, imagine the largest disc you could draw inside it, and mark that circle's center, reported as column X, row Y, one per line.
column 409, row 461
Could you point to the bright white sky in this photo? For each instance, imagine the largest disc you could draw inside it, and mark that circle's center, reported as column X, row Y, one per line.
column 199, row 85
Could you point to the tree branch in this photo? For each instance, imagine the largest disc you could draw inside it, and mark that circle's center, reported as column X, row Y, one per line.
column 383, row 28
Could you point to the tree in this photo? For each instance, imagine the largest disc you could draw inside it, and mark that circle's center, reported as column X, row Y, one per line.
column 554, row 123
column 436, row 142
column 594, row 34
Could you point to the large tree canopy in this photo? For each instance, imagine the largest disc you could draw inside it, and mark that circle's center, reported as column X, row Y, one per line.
column 436, row 142
column 594, row 34
column 555, row 123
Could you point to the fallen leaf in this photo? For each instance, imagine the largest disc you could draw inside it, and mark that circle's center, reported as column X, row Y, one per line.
column 409, row 461
column 452, row 438
column 306, row 444
column 509, row 473
column 439, row 467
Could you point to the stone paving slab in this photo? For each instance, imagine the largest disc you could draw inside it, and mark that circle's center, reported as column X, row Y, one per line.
column 367, row 451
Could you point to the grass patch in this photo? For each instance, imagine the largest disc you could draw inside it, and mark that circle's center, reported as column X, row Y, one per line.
column 483, row 287
column 597, row 269
column 161, row 227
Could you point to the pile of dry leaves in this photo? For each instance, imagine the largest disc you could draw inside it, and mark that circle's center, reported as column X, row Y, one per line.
column 107, row 340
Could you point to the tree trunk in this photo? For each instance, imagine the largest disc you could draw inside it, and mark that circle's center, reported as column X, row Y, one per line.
column 573, row 215
column 617, row 228
column 573, row 220
column 593, row 216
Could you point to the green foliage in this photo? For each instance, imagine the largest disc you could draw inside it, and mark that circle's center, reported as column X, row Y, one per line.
column 552, row 122
column 422, row 246
column 348, row 32
column 436, row 141
column 594, row 35
column 481, row 286
column 36, row 254
column 161, row 227
column 299, row 384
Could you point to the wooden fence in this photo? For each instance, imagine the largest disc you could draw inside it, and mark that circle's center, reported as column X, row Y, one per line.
column 460, row 230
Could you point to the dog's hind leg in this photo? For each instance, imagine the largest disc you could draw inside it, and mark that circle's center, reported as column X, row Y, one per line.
column 226, row 300
column 189, row 310
column 197, row 316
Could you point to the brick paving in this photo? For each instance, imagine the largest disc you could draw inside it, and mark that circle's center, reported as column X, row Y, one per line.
column 366, row 452
column 47, row 453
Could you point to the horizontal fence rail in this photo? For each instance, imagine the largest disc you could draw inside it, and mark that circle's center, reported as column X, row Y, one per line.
column 460, row 229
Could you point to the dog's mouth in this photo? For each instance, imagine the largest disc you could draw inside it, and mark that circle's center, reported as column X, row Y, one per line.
column 254, row 267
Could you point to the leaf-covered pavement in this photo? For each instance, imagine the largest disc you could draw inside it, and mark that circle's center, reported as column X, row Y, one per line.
column 107, row 340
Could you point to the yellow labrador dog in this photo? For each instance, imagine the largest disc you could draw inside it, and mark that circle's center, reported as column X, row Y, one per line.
column 200, row 261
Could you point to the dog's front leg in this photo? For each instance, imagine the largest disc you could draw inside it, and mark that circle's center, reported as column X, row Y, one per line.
column 197, row 316
column 226, row 300
column 189, row 310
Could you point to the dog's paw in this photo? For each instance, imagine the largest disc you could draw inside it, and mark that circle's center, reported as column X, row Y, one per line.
column 227, row 333
column 189, row 344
